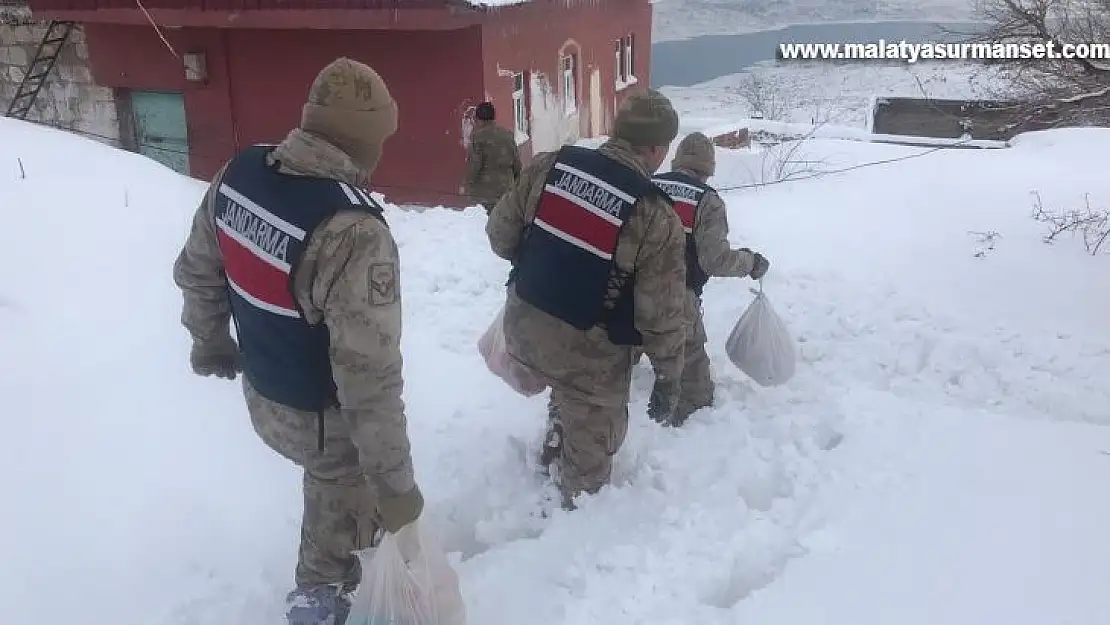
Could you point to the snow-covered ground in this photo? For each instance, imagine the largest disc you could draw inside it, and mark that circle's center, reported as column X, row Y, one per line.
column 826, row 93
column 940, row 457
column 683, row 19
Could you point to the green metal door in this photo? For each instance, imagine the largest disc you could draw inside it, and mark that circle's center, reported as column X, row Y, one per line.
column 160, row 128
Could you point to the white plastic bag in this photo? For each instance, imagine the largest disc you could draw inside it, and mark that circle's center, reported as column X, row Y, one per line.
column 760, row 345
column 492, row 347
column 408, row 581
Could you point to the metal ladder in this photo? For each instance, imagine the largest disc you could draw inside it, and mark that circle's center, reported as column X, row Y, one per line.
column 38, row 71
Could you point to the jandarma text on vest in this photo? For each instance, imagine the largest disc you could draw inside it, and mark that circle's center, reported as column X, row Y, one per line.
column 258, row 231
column 575, row 183
column 679, row 191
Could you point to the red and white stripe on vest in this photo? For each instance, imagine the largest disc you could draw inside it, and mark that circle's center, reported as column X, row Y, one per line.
column 256, row 248
column 686, row 199
column 583, row 210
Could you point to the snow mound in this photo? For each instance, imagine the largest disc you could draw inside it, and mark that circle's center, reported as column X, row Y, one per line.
column 936, row 373
column 1082, row 139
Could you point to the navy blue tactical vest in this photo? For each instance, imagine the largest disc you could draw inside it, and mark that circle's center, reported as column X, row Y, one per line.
column 687, row 193
column 565, row 265
column 263, row 222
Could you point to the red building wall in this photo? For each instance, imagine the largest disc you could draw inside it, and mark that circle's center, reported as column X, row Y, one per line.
column 531, row 39
column 133, row 57
column 435, row 76
column 431, row 74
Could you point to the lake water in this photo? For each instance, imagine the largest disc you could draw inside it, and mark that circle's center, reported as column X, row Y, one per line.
column 692, row 61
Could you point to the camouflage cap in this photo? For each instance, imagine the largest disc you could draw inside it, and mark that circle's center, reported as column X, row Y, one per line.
column 350, row 105
column 695, row 154
column 646, row 119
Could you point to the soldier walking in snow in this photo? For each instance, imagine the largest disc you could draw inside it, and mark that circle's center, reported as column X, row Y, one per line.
column 705, row 221
column 287, row 245
column 598, row 274
column 492, row 159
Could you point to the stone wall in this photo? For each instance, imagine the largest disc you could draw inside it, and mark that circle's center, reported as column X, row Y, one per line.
column 948, row 119
column 69, row 99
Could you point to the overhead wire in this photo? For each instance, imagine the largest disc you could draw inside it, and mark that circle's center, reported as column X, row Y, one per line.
column 739, row 187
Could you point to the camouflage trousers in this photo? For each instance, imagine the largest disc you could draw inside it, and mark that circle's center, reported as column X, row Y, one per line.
column 591, row 428
column 340, row 506
column 697, row 386
column 697, row 376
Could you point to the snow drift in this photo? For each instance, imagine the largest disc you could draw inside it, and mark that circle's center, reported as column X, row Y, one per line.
column 936, row 447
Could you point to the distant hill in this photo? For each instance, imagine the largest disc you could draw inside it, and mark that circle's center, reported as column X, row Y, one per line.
column 681, row 19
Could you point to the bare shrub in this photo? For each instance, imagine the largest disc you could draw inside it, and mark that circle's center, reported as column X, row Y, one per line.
column 1048, row 93
column 1091, row 225
column 764, row 98
column 788, row 161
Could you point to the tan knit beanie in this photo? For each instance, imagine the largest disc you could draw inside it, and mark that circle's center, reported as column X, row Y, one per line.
column 646, row 120
column 695, row 153
column 350, row 106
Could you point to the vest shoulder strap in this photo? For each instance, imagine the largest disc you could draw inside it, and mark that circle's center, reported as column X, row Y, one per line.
column 624, row 177
column 334, row 195
column 685, row 194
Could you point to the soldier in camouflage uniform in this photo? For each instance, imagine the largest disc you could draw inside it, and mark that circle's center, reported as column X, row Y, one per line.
column 288, row 245
column 492, row 159
column 598, row 275
column 705, row 221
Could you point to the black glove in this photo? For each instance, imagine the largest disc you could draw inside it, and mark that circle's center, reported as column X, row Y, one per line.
column 219, row 358
column 664, row 401
column 760, row 265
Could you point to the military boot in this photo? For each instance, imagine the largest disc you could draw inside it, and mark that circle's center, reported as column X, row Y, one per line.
column 664, row 402
column 552, row 441
column 317, row 605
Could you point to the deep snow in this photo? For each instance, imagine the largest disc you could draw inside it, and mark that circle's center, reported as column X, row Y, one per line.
column 940, row 457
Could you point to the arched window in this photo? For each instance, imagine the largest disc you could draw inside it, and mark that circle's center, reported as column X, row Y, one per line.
column 569, row 64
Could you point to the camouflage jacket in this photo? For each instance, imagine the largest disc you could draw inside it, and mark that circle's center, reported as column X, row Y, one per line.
column 347, row 278
column 651, row 248
column 715, row 254
column 492, row 162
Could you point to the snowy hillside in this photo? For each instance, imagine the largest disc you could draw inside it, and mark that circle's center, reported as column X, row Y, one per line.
column 939, row 459
column 823, row 93
column 682, row 19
